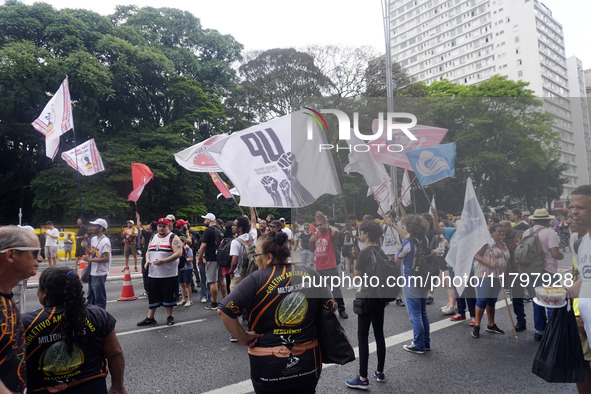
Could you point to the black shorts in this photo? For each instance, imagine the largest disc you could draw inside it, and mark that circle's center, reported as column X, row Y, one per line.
column 163, row 291
column 79, row 251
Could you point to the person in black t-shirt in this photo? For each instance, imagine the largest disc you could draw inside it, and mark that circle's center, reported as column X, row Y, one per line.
column 69, row 344
column 212, row 236
column 80, row 237
column 283, row 348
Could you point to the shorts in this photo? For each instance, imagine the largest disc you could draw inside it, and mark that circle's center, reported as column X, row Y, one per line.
column 50, row 251
column 79, row 250
column 163, row 291
column 68, row 247
column 212, row 271
column 234, row 282
column 225, row 271
column 185, row 276
column 130, row 250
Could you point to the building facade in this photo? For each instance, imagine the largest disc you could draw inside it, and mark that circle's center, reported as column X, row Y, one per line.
column 468, row 41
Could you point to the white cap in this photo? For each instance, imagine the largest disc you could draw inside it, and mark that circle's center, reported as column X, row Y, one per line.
column 209, row 216
column 130, row 221
column 101, row 222
column 282, row 220
column 171, row 217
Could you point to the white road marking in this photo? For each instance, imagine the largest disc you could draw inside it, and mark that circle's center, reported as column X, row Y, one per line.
column 119, row 334
column 246, row 385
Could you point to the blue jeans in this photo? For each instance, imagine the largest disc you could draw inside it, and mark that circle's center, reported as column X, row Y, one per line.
column 541, row 314
column 204, row 293
column 97, row 294
column 307, row 258
column 417, row 310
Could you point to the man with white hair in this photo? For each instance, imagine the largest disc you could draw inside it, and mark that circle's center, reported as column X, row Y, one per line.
column 19, row 259
column 99, row 255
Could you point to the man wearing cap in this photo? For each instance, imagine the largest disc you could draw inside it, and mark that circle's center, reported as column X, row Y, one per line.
column 163, row 260
column 211, row 238
column 19, row 259
column 99, row 255
column 275, row 226
column 51, row 236
column 549, row 241
column 129, row 234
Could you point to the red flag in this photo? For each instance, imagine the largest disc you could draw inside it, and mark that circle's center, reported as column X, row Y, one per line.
column 141, row 175
column 221, row 185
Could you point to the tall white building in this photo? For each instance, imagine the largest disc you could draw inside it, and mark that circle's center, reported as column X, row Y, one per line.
column 468, row 41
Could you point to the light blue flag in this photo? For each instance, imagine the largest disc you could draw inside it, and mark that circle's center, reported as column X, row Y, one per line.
column 433, row 163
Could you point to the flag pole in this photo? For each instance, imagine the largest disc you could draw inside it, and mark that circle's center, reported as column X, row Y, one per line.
column 509, row 311
column 75, row 154
column 239, row 207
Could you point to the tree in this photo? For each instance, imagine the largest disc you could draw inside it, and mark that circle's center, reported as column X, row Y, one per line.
column 376, row 77
column 144, row 82
column 345, row 67
column 504, row 139
column 277, row 80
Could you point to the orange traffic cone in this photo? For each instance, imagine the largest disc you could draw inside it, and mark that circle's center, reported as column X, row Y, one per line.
column 127, row 290
column 82, row 265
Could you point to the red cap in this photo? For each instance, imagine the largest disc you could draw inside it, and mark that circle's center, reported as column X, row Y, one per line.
column 164, row 221
column 180, row 223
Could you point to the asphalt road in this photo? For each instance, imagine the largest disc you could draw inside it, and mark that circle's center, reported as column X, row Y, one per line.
column 195, row 355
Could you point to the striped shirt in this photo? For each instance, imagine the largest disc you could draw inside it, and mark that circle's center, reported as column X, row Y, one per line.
column 492, row 254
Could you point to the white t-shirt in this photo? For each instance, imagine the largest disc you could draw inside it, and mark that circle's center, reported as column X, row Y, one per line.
column 287, row 231
column 391, row 241
column 236, row 248
column 99, row 246
column 50, row 241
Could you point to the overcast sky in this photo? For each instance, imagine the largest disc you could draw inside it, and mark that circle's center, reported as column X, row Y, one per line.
column 265, row 24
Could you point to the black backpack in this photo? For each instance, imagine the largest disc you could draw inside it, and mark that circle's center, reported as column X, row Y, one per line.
column 222, row 255
column 424, row 263
column 386, row 268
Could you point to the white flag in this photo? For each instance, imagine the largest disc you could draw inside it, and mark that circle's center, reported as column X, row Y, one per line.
column 405, row 190
column 55, row 119
column 85, row 158
column 274, row 164
column 374, row 173
column 197, row 159
column 472, row 233
column 433, row 203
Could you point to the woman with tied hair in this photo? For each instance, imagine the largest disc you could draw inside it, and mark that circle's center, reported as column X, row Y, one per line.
column 415, row 292
column 70, row 344
column 491, row 261
column 367, row 261
column 282, row 314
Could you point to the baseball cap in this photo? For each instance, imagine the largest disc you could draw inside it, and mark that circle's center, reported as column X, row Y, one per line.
column 170, row 217
column 282, row 220
column 164, row 221
column 181, row 222
column 275, row 223
column 209, row 216
column 101, row 222
column 130, row 221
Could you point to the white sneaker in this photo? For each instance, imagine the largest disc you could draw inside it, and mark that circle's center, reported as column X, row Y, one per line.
column 203, row 300
column 189, row 303
column 450, row 310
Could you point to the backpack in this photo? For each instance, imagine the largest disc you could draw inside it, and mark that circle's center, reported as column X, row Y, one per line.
column 424, row 263
column 219, row 234
column 249, row 262
column 222, row 255
column 529, row 255
column 384, row 268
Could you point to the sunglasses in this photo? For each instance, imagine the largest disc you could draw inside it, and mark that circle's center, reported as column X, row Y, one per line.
column 259, row 254
column 35, row 251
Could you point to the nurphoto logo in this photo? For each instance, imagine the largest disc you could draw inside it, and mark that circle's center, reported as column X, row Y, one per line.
column 344, row 125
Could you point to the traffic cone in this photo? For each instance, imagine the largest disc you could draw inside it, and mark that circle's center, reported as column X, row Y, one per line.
column 127, row 290
column 82, row 264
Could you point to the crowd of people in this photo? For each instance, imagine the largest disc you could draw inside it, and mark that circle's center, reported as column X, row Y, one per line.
column 246, row 270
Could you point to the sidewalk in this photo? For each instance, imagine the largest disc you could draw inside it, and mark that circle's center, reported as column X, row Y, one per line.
column 115, row 273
